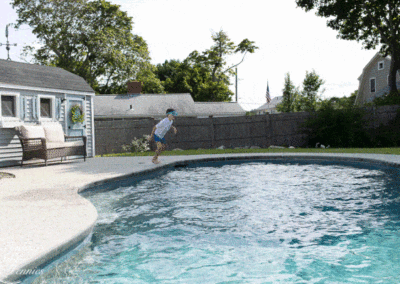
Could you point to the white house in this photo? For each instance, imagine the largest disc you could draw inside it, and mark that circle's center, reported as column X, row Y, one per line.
column 269, row 107
column 34, row 94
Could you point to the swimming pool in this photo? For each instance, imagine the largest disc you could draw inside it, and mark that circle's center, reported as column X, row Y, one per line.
column 246, row 222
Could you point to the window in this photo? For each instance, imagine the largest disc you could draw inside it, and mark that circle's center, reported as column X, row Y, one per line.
column 372, row 84
column 45, row 107
column 8, row 106
column 380, row 65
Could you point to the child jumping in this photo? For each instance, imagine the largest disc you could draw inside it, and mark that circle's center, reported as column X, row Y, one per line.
column 159, row 132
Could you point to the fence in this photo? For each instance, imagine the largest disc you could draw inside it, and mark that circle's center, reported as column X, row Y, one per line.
column 193, row 133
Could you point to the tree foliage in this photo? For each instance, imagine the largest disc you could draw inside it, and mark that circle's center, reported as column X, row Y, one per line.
column 310, row 94
column 371, row 22
column 337, row 127
column 91, row 39
column 289, row 96
column 339, row 103
column 203, row 75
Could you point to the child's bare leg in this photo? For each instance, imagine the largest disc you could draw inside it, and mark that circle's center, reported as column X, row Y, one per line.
column 160, row 148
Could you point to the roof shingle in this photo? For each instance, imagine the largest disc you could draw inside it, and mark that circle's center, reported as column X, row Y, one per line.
column 39, row 76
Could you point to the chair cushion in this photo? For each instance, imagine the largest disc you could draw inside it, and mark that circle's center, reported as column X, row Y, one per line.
column 32, row 131
column 54, row 133
column 74, row 143
column 55, row 145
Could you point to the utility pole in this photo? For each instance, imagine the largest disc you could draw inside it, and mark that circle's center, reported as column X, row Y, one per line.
column 236, row 85
column 8, row 43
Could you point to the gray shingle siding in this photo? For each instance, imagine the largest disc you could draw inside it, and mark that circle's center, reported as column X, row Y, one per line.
column 370, row 71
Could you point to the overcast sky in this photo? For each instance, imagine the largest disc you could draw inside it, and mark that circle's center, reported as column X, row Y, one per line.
column 289, row 40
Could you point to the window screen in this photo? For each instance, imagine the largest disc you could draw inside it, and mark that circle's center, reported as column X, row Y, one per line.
column 8, row 106
column 45, row 107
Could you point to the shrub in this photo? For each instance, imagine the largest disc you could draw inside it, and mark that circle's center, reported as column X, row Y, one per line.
column 138, row 145
column 392, row 98
column 388, row 135
column 339, row 128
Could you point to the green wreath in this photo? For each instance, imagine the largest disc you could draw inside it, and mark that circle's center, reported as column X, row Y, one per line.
column 77, row 114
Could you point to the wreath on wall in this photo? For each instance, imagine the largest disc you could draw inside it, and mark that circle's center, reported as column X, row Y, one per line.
column 77, row 114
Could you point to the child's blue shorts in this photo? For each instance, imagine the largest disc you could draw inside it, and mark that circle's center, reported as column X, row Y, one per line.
column 158, row 139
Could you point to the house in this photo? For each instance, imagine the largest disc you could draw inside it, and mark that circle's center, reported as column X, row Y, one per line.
column 268, row 107
column 32, row 94
column 218, row 109
column 155, row 105
column 374, row 80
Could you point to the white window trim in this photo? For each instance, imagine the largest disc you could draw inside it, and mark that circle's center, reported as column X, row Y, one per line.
column 17, row 106
column 383, row 65
column 370, row 85
column 53, row 108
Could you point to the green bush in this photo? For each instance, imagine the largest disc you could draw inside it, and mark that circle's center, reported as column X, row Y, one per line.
column 339, row 128
column 388, row 135
column 392, row 98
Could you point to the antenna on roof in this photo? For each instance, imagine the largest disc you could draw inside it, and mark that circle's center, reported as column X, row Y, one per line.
column 8, row 44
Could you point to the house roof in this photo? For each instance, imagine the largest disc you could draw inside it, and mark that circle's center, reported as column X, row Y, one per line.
column 218, row 108
column 40, row 76
column 155, row 105
column 272, row 104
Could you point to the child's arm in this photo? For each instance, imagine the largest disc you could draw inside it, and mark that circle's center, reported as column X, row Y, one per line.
column 174, row 128
column 152, row 133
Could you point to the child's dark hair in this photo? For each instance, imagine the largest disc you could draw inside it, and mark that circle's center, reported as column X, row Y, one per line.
column 169, row 110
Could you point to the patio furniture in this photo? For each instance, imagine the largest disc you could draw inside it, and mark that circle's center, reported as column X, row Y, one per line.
column 48, row 142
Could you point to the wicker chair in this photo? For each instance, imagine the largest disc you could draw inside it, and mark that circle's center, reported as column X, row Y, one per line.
column 49, row 142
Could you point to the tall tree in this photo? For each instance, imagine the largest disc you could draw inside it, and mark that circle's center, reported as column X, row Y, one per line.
column 289, row 96
column 307, row 101
column 192, row 77
column 372, row 22
column 91, row 39
column 215, row 57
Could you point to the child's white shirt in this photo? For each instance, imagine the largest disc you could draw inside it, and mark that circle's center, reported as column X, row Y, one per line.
column 162, row 127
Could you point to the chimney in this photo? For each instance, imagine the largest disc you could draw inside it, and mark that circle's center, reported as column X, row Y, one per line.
column 134, row 87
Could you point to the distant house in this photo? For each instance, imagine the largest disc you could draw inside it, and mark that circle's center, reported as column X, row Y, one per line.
column 218, row 109
column 268, row 108
column 155, row 105
column 374, row 80
column 34, row 94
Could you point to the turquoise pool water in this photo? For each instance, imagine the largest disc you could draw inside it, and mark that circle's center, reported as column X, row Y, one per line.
column 246, row 222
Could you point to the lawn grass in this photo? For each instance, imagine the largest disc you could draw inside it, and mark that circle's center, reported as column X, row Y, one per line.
column 394, row 151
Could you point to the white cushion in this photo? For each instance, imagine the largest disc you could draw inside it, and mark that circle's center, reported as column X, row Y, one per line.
column 32, row 131
column 74, row 143
column 55, row 145
column 54, row 133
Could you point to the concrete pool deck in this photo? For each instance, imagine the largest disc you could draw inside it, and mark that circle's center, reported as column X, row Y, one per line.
column 42, row 215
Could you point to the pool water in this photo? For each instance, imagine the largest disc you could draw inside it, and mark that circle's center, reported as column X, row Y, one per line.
column 246, row 222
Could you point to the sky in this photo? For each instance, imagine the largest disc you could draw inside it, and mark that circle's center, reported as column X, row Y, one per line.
column 290, row 40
